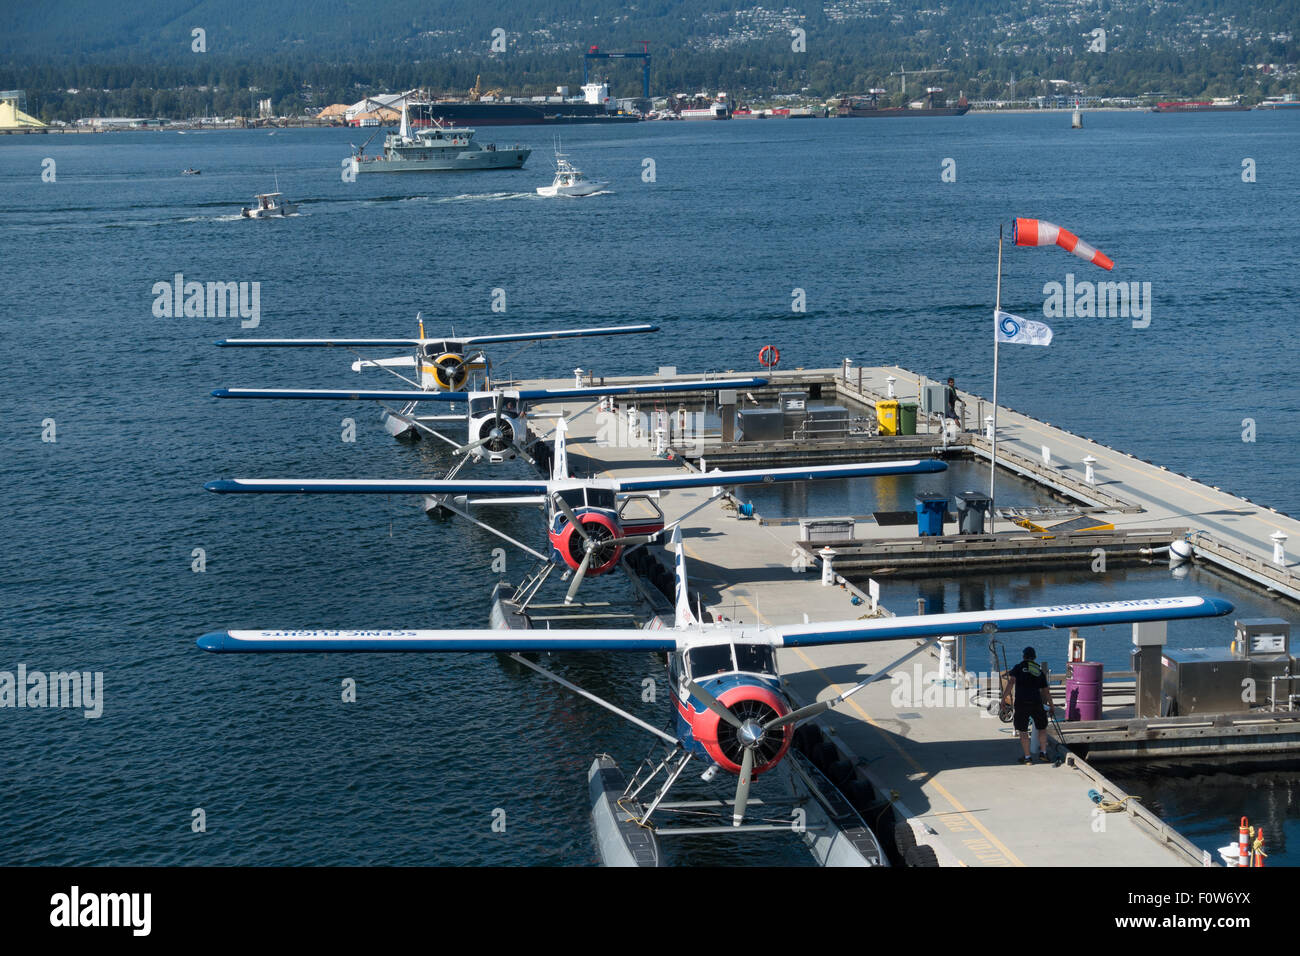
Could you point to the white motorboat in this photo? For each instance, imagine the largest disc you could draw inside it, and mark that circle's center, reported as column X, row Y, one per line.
column 266, row 205
column 569, row 181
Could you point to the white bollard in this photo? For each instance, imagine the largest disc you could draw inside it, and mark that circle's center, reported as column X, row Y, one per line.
column 577, row 378
column 661, row 441
column 889, row 386
column 1047, row 457
column 1089, row 475
column 828, row 573
column 848, row 363
column 717, row 489
column 947, row 658
column 988, row 427
column 1279, row 547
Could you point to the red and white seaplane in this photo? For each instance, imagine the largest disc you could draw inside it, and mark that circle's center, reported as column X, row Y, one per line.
column 731, row 711
column 589, row 520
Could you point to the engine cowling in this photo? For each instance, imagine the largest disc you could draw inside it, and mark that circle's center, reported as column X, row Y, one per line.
column 749, row 702
column 449, row 371
column 504, row 438
column 572, row 547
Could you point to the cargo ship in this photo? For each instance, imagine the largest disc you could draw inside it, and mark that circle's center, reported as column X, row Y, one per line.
column 1222, row 105
column 868, row 106
column 594, row 106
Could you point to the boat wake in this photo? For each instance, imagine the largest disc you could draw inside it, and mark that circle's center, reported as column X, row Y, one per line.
column 486, row 197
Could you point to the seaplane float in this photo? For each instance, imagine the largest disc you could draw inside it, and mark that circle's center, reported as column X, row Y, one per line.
column 730, row 712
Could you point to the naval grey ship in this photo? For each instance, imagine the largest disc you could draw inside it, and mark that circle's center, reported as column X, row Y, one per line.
column 436, row 149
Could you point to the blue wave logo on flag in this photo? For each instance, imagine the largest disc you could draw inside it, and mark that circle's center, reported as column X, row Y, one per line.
column 1012, row 328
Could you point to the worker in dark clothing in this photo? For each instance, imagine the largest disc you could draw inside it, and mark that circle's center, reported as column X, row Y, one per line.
column 950, row 400
column 1027, row 687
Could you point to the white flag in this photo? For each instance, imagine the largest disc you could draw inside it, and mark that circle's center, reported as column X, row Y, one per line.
column 1012, row 328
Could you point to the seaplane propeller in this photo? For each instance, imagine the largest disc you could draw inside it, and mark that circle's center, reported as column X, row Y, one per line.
column 751, row 721
column 495, row 435
column 598, row 542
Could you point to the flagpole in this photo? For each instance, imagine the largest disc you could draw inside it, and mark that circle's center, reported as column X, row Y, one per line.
column 993, row 456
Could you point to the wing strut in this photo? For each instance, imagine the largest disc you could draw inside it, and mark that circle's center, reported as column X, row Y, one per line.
column 592, row 697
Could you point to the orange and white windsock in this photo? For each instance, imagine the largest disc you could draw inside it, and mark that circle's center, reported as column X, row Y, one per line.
column 1036, row 232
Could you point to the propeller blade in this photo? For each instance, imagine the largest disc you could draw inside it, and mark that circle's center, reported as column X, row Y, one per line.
column 573, row 519
column 742, row 787
column 712, row 703
column 634, row 539
column 464, row 449
column 803, row 713
column 577, row 577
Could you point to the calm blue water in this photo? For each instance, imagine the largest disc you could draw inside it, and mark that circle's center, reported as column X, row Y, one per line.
column 896, row 265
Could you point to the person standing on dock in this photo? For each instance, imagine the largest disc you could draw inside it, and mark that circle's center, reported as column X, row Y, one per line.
column 951, row 401
column 1028, row 688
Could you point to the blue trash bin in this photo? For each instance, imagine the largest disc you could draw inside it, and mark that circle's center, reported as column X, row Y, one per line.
column 930, row 511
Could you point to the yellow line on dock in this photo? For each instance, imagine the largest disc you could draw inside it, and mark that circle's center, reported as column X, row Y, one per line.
column 943, row 791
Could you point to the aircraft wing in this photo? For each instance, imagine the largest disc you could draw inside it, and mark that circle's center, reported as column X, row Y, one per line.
column 372, row 486
column 764, row 475
column 1014, row 619
column 558, row 334
column 647, row 388
column 500, row 641
column 341, row 394
column 317, row 343
column 402, row 361
column 802, row 635
column 532, row 395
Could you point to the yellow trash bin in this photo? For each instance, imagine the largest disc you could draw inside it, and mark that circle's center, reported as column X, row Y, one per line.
column 887, row 417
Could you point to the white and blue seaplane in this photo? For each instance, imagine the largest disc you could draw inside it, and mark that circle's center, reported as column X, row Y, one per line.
column 730, row 709
column 495, row 419
column 589, row 521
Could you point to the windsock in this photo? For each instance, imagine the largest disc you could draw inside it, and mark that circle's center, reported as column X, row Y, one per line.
column 1036, row 232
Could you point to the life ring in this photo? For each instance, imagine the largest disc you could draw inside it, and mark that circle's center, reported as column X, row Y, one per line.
column 768, row 356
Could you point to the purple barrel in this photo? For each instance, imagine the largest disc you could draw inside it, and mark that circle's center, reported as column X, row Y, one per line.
column 1083, row 690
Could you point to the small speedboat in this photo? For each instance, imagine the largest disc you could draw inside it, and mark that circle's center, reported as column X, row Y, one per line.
column 191, row 172
column 570, row 181
column 266, row 205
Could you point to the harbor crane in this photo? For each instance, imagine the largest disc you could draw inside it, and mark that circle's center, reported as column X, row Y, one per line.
column 903, row 74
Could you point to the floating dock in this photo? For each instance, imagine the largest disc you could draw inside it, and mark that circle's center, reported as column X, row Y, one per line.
column 949, row 770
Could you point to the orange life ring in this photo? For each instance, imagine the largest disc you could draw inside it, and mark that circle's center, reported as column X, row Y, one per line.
column 768, row 356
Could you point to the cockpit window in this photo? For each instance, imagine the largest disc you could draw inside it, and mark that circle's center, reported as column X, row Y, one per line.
column 706, row 661
column 600, row 498
column 480, row 406
column 573, row 497
column 757, row 658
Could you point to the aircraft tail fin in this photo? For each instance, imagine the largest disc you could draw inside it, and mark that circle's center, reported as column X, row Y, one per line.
column 560, row 465
column 683, row 618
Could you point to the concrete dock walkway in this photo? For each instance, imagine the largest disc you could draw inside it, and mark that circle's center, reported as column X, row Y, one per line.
column 952, row 766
